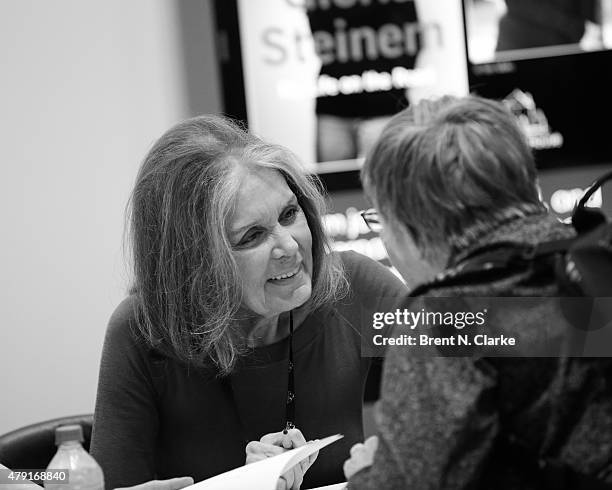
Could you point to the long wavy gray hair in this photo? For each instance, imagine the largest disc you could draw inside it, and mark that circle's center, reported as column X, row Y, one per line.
column 185, row 280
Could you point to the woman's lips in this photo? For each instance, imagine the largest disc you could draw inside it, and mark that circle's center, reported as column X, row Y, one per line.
column 294, row 274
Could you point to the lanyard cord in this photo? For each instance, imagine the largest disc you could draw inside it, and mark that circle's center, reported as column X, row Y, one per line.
column 290, row 407
column 290, row 411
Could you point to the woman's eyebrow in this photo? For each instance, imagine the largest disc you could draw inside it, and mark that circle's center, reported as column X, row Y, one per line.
column 291, row 201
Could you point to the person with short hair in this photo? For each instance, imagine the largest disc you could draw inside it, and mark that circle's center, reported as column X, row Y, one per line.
column 241, row 336
column 455, row 186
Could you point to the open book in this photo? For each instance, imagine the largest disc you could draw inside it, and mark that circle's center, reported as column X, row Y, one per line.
column 264, row 474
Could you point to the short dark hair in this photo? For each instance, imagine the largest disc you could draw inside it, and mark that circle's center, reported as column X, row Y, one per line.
column 185, row 277
column 449, row 165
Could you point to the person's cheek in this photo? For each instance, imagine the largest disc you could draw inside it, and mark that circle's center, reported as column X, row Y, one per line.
column 306, row 245
column 253, row 279
column 263, row 262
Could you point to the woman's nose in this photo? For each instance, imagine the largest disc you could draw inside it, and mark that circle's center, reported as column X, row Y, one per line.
column 285, row 246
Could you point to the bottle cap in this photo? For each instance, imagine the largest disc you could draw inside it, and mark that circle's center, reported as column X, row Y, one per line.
column 66, row 433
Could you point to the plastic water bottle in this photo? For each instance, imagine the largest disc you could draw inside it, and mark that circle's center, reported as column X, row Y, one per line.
column 83, row 471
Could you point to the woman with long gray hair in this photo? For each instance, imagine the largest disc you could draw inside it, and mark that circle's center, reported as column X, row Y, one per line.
column 242, row 329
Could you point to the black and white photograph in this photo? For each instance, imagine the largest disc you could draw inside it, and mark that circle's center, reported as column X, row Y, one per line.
column 306, row 244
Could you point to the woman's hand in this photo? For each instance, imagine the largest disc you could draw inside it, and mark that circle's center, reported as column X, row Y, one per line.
column 171, row 484
column 277, row 443
column 362, row 456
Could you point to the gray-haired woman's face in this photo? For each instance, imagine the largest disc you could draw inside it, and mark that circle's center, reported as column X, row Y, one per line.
column 272, row 244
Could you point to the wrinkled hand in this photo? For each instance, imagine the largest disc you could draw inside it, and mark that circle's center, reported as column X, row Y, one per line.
column 277, row 443
column 171, row 484
column 362, row 456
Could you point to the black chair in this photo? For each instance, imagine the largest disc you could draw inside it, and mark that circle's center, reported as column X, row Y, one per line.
column 33, row 446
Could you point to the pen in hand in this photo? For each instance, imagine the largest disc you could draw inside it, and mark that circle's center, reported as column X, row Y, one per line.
column 292, row 438
column 286, row 441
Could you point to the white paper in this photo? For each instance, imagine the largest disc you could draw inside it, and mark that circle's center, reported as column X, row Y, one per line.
column 336, row 486
column 264, row 474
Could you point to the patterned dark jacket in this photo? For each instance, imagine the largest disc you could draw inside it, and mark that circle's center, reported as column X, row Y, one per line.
column 445, row 422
